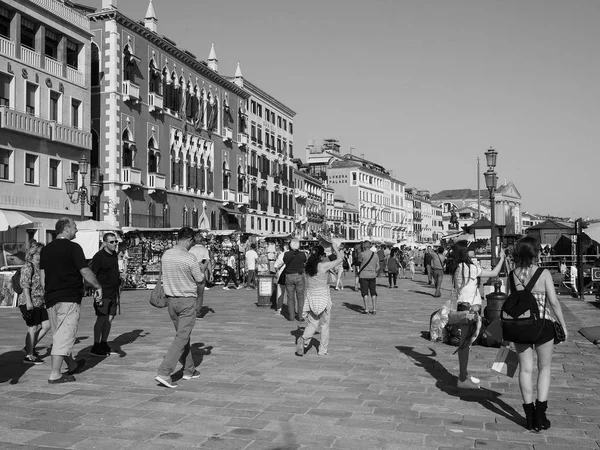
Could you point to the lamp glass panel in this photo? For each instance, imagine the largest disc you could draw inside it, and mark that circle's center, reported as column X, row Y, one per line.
column 490, row 157
column 70, row 186
column 490, row 179
column 83, row 165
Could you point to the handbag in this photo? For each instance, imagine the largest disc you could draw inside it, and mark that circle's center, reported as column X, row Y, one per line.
column 158, row 299
column 559, row 333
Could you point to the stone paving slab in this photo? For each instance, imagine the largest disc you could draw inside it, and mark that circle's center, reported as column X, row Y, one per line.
column 383, row 385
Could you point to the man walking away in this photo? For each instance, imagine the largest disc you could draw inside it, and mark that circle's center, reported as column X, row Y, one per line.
column 437, row 267
column 231, row 274
column 182, row 277
column 251, row 257
column 105, row 265
column 294, row 261
column 427, row 264
column 62, row 264
column 381, row 257
column 367, row 275
column 202, row 254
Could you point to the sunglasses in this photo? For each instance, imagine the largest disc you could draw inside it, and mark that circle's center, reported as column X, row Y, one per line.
column 111, row 242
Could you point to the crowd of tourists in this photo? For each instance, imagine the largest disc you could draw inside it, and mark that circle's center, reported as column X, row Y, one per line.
column 52, row 282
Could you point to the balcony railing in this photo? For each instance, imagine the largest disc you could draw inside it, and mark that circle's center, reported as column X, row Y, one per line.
column 242, row 139
column 131, row 176
column 227, row 134
column 64, row 12
column 75, row 76
column 157, row 181
column 72, row 136
column 53, row 66
column 7, row 48
column 243, row 198
column 25, row 123
column 253, row 171
column 130, row 91
column 155, row 102
column 228, row 195
column 30, row 57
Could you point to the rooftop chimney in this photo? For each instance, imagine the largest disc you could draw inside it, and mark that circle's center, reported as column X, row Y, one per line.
column 109, row 4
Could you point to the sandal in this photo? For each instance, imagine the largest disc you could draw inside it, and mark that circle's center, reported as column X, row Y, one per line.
column 65, row 378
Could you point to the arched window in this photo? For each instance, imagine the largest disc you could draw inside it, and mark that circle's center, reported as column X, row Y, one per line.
column 174, row 169
column 196, row 181
column 195, row 217
column 127, row 213
column 152, row 209
column 152, row 156
column 128, row 150
column 154, row 80
column 202, row 175
column 174, row 104
column 185, row 217
column 129, row 65
column 226, row 175
column 166, row 88
column 241, row 179
column 180, row 170
column 213, row 220
column 188, row 172
column 95, row 65
column 209, row 177
column 166, row 216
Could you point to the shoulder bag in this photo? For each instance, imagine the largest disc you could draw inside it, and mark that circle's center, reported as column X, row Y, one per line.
column 363, row 267
column 158, row 299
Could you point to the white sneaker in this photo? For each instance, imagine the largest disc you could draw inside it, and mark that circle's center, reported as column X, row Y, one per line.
column 226, row 288
column 239, row 287
column 165, row 381
column 469, row 383
column 193, row 376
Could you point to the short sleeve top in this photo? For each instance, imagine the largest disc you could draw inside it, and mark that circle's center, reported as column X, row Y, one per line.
column 465, row 278
column 30, row 279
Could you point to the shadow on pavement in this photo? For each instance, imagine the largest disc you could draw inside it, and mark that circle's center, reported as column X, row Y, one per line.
column 13, row 367
column 117, row 344
column 430, row 294
column 204, row 311
column 354, row 307
column 199, row 351
column 446, row 382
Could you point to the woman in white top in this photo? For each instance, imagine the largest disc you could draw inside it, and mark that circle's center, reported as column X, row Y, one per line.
column 465, row 283
column 525, row 255
column 279, row 266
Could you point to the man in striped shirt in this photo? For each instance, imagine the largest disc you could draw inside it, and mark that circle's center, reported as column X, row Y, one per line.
column 182, row 279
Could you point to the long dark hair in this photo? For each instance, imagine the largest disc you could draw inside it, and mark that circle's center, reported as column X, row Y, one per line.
column 526, row 251
column 312, row 264
column 464, row 261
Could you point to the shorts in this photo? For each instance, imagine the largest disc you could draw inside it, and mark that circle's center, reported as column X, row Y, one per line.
column 108, row 308
column 367, row 286
column 34, row 317
column 64, row 320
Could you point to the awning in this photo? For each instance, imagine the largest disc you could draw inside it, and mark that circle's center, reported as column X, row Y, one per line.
column 232, row 210
column 593, row 231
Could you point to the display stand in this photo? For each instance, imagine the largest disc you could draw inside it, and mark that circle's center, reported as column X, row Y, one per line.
column 265, row 284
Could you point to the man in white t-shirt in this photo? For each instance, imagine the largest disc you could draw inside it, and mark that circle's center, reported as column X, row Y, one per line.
column 203, row 256
column 251, row 257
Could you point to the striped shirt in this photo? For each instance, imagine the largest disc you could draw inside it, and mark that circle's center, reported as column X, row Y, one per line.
column 180, row 273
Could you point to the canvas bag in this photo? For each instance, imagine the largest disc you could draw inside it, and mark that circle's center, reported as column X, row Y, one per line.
column 158, row 299
column 506, row 362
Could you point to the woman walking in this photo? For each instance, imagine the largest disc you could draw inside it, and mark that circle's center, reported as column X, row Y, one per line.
column 465, row 282
column 31, row 303
column 318, row 300
column 525, row 257
column 393, row 265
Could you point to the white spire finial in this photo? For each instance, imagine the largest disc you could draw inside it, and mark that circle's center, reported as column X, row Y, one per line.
column 212, row 59
column 150, row 13
column 150, row 21
column 238, row 72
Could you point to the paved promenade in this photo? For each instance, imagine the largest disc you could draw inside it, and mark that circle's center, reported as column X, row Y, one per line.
column 383, row 385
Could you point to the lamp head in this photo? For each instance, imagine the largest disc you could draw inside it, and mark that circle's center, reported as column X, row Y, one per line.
column 94, row 190
column 70, row 186
column 491, row 179
column 83, row 165
column 490, row 157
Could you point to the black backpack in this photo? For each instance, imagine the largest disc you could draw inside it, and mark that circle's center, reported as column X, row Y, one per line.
column 520, row 316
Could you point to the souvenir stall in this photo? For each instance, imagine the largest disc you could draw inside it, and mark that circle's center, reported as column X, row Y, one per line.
column 221, row 244
column 143, row 248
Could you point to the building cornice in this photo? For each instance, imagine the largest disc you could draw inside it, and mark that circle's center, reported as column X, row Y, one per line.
column 63, row 13
column 166, row 45
column 255, row 90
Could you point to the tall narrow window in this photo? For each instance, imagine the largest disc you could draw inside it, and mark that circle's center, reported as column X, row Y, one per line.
column 27, row 33
column 127, row 213
column 95, row 65
column 5, row 89
column 5, row 17
column 72, row 54
column 54, row 173
column 31, row 168
column 54, row 105
column 30, row 96
column 51, row 44
column 75, row 112
column 166, row 216
column 195, row 217
column 5, row 164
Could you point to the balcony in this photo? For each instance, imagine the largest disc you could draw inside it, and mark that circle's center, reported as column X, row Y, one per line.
column 229, row 195
column 155, row 102
column 300, row 193
column 75, row 76
column 157, row 182
column 131, row 176
column 53, row 66
column 227, row 134
column 131, row 91
column 69, row 15
column 243, row 198
column 25, row 123
column 30, row 57
column 277, row 180
column 242, row 139
column 71, row 136
column 7, row 48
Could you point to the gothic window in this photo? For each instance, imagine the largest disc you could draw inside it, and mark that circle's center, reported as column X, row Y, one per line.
column 166, row 216
column 128, row 150
column 226, row 175
column 180, row 170
column 213, row 220
column 129, row 64
column 195, row 217
column 202, row 175
column 185, row 217
column 240, row 175
column 209, row 177
column 188, row 172
column 154, row 80
column 174, row 169
column 152, row 156
column 127, row 213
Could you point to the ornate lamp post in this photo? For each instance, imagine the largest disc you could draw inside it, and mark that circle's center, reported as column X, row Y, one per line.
column 83, row 196
column 491, row 180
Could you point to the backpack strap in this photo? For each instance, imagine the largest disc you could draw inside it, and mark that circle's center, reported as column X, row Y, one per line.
column 534, row 279
column 511, row 281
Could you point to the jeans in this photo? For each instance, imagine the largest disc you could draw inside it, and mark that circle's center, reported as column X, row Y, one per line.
column 231, row 276
column 200, row 299
column 294, row 286
column 182, row 311
column 392, row 277
column 250, row 280
column 438, row 277
column 314, row 322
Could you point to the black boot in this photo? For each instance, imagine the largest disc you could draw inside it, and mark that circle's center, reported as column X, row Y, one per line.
column 541, row 421
column 529, row 409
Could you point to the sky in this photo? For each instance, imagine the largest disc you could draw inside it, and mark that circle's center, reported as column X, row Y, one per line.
column 423, row 87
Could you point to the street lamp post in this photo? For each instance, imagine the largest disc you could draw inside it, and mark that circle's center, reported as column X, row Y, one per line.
column 83, row 196
column 491, row 180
